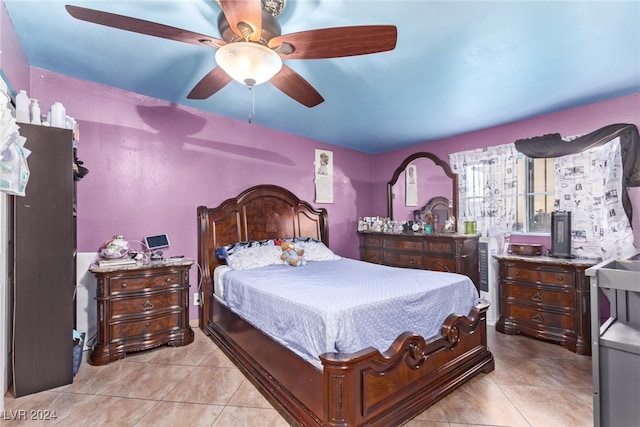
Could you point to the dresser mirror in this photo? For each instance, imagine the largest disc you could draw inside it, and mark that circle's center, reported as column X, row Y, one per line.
column 433, row 180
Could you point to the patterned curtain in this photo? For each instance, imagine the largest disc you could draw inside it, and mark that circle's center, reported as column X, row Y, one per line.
column 487, row 186
column 589, row 185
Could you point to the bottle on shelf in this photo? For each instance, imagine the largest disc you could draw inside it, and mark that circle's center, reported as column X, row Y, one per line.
column 58, row 115
column 4, row 91
column 35, row 112
column 22, row 107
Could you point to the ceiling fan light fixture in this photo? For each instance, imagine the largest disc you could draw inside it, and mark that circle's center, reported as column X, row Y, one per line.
column 248, row 63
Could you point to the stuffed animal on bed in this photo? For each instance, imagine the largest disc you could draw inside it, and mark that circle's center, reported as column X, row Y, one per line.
column 292, row 256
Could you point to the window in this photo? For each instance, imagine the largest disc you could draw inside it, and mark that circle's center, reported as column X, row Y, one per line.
column 535, row 195
column 487, row 185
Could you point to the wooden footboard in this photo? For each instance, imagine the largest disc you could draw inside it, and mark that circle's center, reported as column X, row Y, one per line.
column 370, row 388
column 363, row 388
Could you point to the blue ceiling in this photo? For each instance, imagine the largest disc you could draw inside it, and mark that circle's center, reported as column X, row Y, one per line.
column 457, row 67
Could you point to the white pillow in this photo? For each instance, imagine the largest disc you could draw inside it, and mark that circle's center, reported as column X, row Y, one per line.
column 316, row 251
column 259, row 256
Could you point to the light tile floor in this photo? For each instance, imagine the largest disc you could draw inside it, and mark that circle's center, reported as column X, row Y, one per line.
column 534, row 384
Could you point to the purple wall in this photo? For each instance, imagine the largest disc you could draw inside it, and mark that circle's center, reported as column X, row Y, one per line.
column 13, row 60
column 152, row 163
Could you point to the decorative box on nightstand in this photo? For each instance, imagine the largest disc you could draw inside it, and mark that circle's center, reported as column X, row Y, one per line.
column 534, row 249
column 141, row 306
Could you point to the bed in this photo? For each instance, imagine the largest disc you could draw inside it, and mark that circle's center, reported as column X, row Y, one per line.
column 362, row 387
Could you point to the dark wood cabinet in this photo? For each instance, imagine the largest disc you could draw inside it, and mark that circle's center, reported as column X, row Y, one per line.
column 546, row 298
column 454, row 253
column 141, row 307
column 43, row 265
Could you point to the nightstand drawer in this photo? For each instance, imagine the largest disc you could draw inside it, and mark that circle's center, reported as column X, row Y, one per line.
column 403, row 259
column 440, row 247
column 557, row 278
column 123, row 330
column 541, row 319
column 543, row 297
column 135, row 283
column 144, row 304
column 403, row 244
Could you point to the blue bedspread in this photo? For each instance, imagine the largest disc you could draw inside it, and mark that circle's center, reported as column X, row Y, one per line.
column 345, row 305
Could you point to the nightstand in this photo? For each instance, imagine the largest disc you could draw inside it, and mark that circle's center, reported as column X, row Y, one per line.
column 141, row 306
column 546, row 298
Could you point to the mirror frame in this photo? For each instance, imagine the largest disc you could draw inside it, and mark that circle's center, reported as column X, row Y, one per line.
column 445, row 167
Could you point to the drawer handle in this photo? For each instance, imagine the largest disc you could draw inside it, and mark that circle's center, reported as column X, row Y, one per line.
column 146, row 325
column 124, row 285
column 412, row 261
column 516, row 273
column 560, row 278
column 444, row 267
column 537, row 318
column 168, row 279
column 147, row 305
column 537, row 297
column 439, row 246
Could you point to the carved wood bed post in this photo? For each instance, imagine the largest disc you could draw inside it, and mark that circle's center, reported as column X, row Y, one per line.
column 206, row 281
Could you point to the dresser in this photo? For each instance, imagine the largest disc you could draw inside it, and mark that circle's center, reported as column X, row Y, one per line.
column 454, row 253
column 141, row 306
column 546, row 298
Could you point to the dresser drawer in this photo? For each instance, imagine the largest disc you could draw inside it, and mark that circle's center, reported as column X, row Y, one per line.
column 370, row 240
column 556, row 278
column 371, row 255
column 145, row 304
column 402, row 244
column 539, row 318
column 135, row 283
column 441, row 264
column 403, row 259
column 530, row 294
column 123, row 330
column 440, row 247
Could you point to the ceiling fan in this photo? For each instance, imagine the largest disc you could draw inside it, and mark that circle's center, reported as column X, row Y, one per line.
column 245, row 26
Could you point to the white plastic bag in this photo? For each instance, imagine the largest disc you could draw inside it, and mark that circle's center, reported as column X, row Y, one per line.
column 14, row 170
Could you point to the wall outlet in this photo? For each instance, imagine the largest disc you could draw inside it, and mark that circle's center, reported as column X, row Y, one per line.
column 196, row 298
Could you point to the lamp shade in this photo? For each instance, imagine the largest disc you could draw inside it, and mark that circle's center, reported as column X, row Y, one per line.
column 249, row 63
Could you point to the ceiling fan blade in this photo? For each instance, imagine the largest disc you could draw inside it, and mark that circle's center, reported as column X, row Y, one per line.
column 215, row 80
column 248, row 12
column 141, row 26
column 337, row 42
column 294, row 86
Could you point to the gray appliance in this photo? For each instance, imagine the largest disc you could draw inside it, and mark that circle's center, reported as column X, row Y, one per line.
column 616, row 342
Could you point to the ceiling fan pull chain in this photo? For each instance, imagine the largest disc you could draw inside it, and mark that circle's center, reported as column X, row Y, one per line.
column 253, row 103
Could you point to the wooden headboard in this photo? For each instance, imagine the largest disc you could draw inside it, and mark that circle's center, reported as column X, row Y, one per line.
column 258, row 213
